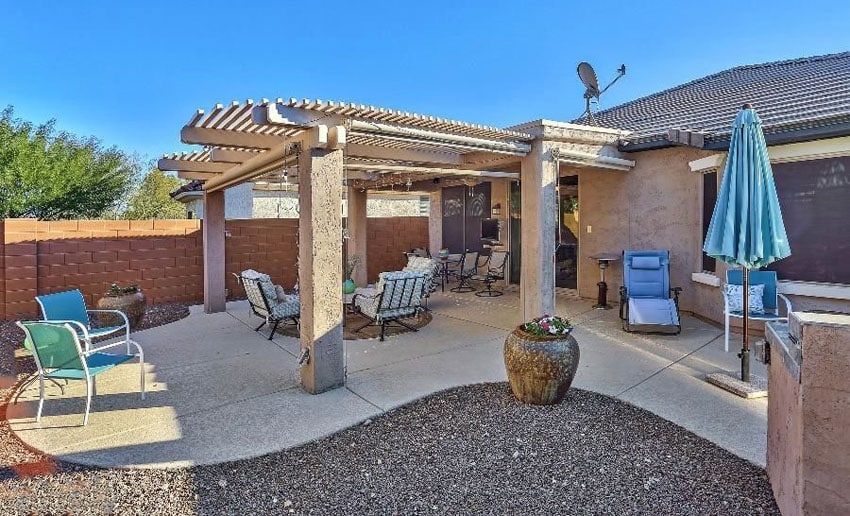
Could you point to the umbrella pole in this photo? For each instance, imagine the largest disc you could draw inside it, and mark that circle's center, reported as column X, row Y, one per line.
column 745, row 347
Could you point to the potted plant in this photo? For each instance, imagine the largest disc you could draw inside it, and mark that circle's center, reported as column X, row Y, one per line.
column 130, row 300
column 541, row 358
column 348, row 286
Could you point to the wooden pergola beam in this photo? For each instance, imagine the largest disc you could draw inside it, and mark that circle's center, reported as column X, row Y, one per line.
column 182, row 165
column 226, row 138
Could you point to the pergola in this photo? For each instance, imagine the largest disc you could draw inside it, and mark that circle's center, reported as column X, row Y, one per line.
column 332, row 146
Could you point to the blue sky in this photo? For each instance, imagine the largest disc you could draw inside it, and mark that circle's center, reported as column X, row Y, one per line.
column 132, row 72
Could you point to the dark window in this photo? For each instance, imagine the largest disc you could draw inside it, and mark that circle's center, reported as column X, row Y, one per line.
column 709, row 198
column 815, row 200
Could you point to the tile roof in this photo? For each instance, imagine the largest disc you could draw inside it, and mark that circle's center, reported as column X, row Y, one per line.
column 191, row 186
column 811, row 91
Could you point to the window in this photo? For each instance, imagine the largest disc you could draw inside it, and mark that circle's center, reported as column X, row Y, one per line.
column 815, row 200
column 709, row 198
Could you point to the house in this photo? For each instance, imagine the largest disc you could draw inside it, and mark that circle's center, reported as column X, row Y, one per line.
column 562, row 192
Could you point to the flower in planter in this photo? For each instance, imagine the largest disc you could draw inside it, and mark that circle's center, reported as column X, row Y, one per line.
column 548, row 325
column 115, row 290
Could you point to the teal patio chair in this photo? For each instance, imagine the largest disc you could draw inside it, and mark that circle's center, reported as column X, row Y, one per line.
column 646, row 303
column 59, row 356
column 70, row 307
column 770, row 299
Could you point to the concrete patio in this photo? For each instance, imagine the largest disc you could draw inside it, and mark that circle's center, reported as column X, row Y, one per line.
column 218, row 391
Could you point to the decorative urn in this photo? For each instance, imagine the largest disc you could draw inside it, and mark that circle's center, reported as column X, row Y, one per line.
column 541, row 358
column 130, row 300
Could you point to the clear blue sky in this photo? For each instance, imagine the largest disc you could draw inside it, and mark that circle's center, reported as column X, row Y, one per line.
column 132, row 72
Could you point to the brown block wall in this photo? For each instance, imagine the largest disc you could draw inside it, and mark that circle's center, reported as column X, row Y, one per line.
column 164, row 257
column 389, row 238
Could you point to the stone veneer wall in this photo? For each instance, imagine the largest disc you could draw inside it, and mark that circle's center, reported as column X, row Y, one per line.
column 164, row 257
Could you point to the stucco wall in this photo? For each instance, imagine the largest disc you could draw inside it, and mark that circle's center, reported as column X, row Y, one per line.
column 654, row 206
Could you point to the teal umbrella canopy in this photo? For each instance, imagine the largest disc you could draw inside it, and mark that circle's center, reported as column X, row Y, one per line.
column 746, row 228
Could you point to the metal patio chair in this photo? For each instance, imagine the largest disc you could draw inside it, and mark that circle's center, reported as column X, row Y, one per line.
column 262, row 296
column 468, row 268
column 59, row 355
column 496, row 264
column 70, row 306
column 398, row 295
column 770, row 299
column 645, row 297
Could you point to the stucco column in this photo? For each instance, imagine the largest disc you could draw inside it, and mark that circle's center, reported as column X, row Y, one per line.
column 357, row 228
column 435, row 221
column 320, row 268
column 539, row 217
column 213, row 231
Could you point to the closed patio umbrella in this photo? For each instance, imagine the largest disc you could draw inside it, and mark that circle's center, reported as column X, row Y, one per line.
column 746, row 228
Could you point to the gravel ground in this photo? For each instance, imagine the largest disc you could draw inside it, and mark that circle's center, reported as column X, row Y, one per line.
column 15, row 458
column 470, row 450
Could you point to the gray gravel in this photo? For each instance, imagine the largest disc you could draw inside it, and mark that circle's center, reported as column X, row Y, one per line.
column 471, row 450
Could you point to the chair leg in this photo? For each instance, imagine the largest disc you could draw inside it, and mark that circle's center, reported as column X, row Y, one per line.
column 726, row 332
column 142, row 372
column 260, row 326
column 40, row 397
column 383, row 327
column 274, row 329
column 89, row 389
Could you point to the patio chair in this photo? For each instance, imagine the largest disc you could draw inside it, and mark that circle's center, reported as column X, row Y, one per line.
column 468, row 268
column 427, row 266
column 266, row 303
column 70, row 306
column 645, row 297
column 770, row 299
column 398, row 295
column 59, row 355
column 496, row 263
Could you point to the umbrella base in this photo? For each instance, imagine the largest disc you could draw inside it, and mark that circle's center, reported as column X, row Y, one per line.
column 755, row 388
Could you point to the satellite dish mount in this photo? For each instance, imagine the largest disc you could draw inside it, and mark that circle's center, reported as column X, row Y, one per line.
column 591, row 83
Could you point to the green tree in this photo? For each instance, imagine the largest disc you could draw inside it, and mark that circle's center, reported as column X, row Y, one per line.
column 152, row 199
column 50, row 174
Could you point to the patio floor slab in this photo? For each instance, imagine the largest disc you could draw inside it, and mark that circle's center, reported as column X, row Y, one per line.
column 218, row 391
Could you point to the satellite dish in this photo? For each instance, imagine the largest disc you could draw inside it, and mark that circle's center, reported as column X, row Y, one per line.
column 588, row 77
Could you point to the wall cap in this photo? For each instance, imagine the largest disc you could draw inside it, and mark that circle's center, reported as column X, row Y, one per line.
column 706, row 278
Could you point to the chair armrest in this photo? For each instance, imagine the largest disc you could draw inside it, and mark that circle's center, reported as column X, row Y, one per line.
column 787, row 301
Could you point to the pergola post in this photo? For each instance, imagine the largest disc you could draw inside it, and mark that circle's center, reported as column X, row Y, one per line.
column 215, row 298
column 539, row 218
column 320, row 176
column 435, row 221
column 357, row 228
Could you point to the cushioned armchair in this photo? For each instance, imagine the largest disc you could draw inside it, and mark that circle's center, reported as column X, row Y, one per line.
column 645, row 297
column 269, row 302
column 428, row 267
column 397, row 295
column 765, row 308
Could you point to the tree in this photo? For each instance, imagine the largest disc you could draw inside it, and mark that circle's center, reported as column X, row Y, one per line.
column 152, row 199
column 50, row 174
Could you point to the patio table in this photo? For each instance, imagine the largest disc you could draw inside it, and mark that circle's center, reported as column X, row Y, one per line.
column 443, row 262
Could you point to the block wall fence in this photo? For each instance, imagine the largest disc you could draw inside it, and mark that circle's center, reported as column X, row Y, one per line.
column 164, row 257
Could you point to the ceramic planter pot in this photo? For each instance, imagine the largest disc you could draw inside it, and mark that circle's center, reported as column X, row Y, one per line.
column 348, row 286
column 540, row 369
column 133, row 306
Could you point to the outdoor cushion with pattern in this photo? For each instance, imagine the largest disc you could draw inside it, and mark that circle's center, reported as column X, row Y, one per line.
column 735, row 298
column 402, row 298
column 427, row 266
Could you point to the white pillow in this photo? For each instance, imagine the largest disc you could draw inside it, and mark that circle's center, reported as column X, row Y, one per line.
column 735, row 298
